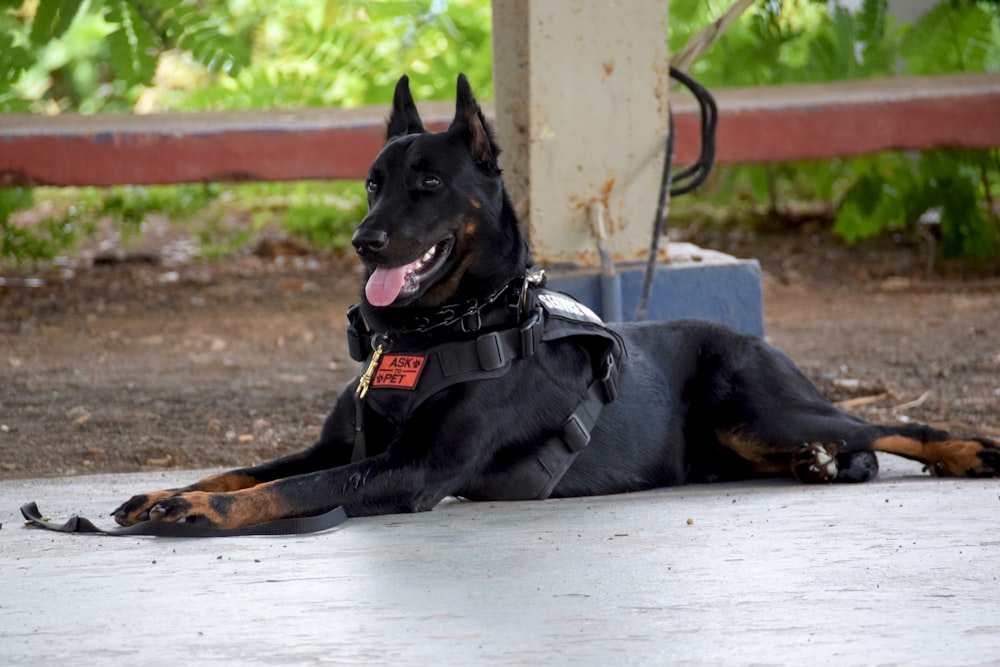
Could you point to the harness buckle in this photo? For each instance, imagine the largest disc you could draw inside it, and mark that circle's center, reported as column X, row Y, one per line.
column 489, row 348
column 358, row 336
column 354, row 345
column 575, row 434
column 531, row 334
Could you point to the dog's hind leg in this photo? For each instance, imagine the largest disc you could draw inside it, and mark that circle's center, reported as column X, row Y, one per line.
column 754, row 413
column 942, row 454
column 843, row 450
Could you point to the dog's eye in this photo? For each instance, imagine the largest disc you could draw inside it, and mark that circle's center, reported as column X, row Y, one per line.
column 430, row 182
column 371, row 185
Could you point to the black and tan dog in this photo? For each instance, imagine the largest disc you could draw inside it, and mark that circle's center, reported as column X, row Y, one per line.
column 477, row 382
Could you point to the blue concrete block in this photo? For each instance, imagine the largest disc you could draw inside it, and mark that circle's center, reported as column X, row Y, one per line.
column 706, row 285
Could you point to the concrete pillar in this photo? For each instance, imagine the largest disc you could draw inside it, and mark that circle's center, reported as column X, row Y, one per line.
column 581, row 107
column 581, row 113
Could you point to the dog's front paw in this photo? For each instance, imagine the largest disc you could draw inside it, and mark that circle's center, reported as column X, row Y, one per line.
column 136, row 508
column 816, row 463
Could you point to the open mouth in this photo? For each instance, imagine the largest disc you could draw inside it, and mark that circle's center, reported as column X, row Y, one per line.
column 387, row 284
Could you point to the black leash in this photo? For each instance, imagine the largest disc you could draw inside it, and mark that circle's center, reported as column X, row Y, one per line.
column 297, row 526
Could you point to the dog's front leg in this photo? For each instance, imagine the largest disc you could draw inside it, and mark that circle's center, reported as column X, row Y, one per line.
column 373, row 486
column 332, row 449
column 137, row 508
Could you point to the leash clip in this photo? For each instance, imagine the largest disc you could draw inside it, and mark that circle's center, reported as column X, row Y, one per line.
column 366, row 379
column 531, row 279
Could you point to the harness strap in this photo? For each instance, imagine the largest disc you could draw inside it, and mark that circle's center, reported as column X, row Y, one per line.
column 535, row 478
column 559, row 452
column 493, row 350
column 295, row 526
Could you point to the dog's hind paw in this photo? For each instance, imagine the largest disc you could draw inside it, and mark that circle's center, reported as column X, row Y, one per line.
column 815, row 463
column 978, row 457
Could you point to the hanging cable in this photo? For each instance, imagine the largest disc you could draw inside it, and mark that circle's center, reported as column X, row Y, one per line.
column 683, row 181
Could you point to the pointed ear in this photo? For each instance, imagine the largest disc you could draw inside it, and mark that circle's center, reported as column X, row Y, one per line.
column 470, row 123
column 404, row 118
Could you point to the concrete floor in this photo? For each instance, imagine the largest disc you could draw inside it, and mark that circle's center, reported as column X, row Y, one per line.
column 902, row 571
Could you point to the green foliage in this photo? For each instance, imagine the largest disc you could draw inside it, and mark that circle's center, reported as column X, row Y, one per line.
column 893, row 192
column 158, row 55
column 349, row 54
column 782, row 41
column 880, row 199
column 131, row 43
column 44, row 239
column 211, row 38
column 100, row 55
column 52, row 19
column 130, row 205
column 325, row 220
column 954, row 37
column 321, row 215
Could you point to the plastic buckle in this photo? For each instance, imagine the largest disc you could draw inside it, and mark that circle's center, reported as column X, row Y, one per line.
column 490, row 351
column 355, row 344
column 575, row 434
column 531, row 334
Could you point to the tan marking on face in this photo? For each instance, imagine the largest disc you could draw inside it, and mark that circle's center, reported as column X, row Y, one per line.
column 476, row 204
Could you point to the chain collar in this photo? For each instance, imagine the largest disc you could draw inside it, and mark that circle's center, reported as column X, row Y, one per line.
column 516, row 296
column 473, row 308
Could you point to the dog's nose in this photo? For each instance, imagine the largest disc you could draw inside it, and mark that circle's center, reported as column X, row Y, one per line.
column 369, row 241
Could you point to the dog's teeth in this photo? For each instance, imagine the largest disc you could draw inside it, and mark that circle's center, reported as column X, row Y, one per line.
column 425, row 260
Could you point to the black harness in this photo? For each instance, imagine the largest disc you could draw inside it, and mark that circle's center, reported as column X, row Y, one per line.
column 398, row 376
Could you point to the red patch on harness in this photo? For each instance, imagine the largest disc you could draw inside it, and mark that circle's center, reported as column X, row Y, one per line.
column 399, row 371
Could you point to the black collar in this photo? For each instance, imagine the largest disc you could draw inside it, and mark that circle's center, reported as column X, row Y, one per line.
column 505, row 307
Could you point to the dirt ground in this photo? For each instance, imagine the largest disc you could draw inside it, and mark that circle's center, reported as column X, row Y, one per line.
column 138, row 366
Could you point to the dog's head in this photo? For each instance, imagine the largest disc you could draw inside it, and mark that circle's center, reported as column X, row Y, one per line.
column 440, row 228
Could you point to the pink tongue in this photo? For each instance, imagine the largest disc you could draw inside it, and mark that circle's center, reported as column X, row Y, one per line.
column 384, row 284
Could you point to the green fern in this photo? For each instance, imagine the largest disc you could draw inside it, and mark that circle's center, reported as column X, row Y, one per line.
column 52, row 19
column 207, row 35
column 14, row 60
column 954, row 37
column 132, row 45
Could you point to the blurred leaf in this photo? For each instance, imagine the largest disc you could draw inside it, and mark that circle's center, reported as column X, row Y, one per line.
column 954, row 37
column 132, row 45
column 52, row 19
column 13, row 61
column 207, row 35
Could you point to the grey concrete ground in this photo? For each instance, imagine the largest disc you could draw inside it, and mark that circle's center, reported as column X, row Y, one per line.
column 903, row 571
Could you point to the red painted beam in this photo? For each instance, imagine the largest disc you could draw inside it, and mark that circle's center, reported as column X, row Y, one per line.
column 815, row 121
column 113, row 149
column 755, row 125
